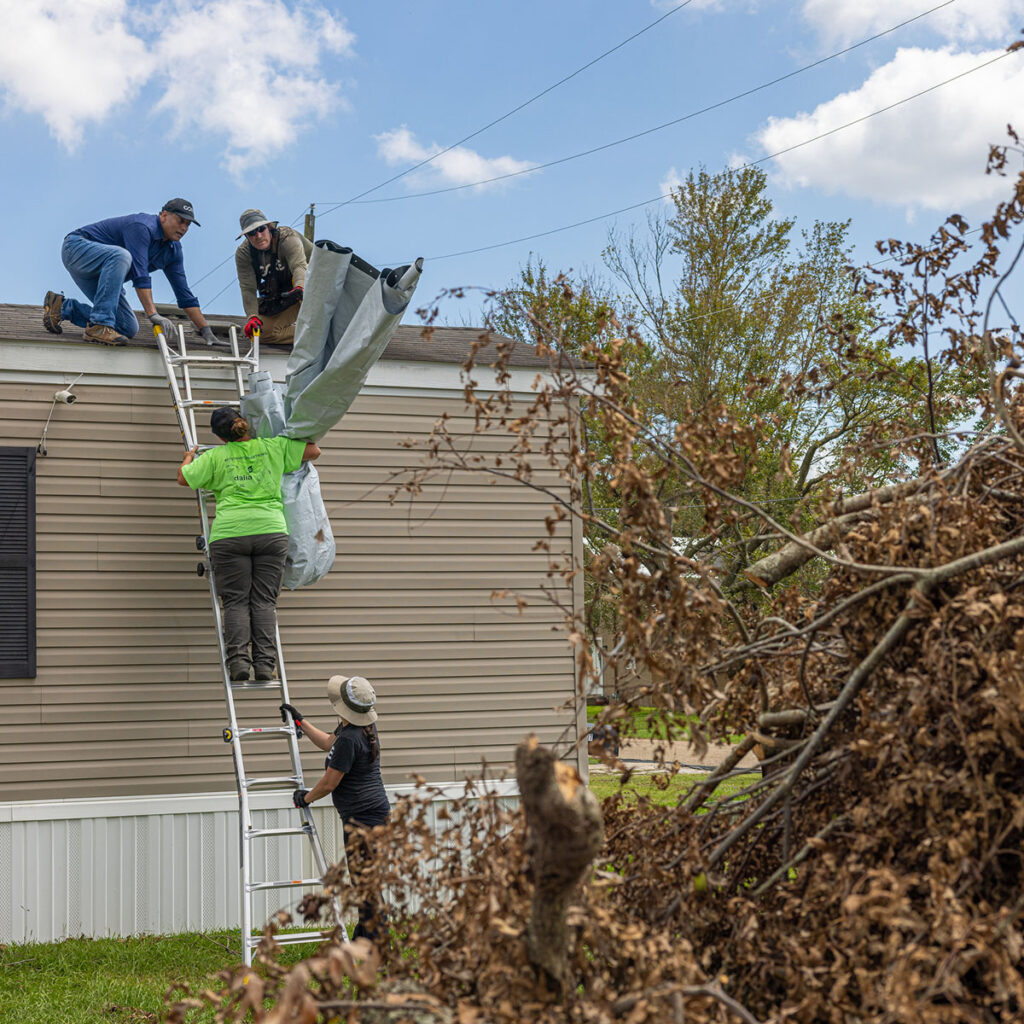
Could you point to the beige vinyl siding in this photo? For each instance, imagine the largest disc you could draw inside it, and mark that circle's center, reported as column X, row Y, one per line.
column 128, row 698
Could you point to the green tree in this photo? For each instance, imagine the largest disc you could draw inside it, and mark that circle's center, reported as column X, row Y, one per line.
column 723, row 312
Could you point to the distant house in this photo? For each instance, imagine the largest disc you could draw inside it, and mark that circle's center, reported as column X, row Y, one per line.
column 117, row 795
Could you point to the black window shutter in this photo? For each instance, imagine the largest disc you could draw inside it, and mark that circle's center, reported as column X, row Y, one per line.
column 17, row 563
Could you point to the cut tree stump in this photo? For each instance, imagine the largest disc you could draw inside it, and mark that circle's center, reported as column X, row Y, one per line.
column 565, row 831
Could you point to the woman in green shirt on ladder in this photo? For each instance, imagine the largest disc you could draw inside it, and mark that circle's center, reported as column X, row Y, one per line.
column 249, row 537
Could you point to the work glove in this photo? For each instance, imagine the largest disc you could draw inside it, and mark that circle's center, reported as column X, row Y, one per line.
column 299, row 798
column 291, row 297
column 165, row 325
column 250, row 325
column 206, row 333
column 296, row 716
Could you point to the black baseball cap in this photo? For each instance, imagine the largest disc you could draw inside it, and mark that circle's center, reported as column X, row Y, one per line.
column 183, row 208
column 221, row 420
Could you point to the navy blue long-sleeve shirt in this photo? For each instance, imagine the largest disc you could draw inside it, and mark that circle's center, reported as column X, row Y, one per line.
column 143, row 237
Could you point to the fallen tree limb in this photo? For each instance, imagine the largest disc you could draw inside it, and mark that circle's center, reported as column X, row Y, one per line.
column 623, row 1006
column 767, row 571
column 801, row 855
column 793, row 716
column 862, row 673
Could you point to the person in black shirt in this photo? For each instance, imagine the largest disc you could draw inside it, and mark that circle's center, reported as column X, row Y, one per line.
column 352, row 777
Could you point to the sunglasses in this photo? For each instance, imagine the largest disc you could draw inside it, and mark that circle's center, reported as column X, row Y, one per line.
column 256, row 231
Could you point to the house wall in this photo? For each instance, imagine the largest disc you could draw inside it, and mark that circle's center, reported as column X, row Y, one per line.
column 156, row 865
column 128, row 700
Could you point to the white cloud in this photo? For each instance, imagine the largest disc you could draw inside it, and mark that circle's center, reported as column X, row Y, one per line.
column 247, row 70
column 459, row 166
column 244, row 70
column 672, row 180
column 69, row 61
column 962, row 23
column 929, row 153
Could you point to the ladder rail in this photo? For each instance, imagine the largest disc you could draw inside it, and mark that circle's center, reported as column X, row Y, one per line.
column 185, row 405
column 186, row 376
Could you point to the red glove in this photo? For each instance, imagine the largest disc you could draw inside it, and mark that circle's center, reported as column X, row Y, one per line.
column 293, row 295
column 251, row 324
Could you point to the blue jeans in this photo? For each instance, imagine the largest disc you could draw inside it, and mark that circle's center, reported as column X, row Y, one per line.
column 100, row 271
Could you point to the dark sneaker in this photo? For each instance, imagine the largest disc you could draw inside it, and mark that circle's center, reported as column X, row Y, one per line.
column 52, row 306
column 103, row 335
column 265, row 673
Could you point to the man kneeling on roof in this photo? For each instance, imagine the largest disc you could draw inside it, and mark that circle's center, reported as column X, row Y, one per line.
column 271, row 267
column 102, row 256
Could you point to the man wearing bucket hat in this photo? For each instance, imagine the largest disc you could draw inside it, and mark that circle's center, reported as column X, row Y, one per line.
column 271, row 266
column 352, row 777
column 102, row 256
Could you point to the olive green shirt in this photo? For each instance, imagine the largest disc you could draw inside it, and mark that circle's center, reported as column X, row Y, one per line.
column 294, row 250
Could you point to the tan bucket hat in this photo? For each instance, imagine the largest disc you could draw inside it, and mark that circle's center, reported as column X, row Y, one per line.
column 352, row 697
column 251, row 220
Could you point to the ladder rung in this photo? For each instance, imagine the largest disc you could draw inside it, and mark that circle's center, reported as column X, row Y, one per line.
column 198, row 403
column 270, row 730
column 260, row 833
column 289, row 938
column 272, row 780
column 274, row 684
column 287, row 883
column 214, row 360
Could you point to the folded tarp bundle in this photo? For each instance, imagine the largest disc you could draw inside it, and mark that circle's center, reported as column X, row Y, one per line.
column 311, row 546
column 349, row 313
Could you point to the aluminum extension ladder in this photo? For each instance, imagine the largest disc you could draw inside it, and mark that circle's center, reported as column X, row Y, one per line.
column 185, row 406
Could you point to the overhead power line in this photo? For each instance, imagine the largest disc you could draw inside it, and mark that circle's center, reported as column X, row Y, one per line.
column 514, row 110
column 480, row 131
column 198, row 280
column 647, row 131
column 752, row 163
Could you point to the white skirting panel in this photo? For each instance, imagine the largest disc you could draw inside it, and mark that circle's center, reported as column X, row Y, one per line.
column 153, row 865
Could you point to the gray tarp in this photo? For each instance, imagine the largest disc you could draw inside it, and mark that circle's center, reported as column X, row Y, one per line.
column 349, row 313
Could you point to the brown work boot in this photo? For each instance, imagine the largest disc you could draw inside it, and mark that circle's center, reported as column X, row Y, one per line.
column 52, row 306
column 104, row 335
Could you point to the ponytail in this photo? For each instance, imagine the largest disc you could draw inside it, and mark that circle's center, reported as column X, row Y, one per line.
column 239, row 428
column 371, row 735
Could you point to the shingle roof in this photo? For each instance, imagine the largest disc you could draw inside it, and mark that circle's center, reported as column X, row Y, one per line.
column 444, row 344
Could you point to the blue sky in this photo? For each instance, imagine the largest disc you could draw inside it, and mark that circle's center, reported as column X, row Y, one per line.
column 111, row 107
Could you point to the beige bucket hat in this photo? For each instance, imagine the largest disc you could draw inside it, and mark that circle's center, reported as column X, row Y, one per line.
column 352, row 697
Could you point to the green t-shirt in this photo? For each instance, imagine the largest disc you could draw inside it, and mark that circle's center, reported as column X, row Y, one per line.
column 245, row 477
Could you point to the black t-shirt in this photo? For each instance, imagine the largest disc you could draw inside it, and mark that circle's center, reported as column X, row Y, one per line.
column 360, row 795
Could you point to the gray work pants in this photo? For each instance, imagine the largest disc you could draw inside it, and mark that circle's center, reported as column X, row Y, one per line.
column 247, row 572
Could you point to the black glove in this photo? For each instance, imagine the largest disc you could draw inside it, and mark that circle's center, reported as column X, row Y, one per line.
column 292, row 710
column 291, row 297
column 296, row 716
column 299, row 798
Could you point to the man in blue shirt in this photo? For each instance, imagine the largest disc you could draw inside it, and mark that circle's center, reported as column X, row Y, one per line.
column 102, row 256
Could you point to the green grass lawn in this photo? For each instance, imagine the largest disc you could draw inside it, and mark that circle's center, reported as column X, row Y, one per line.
column 124, row 981
column 603, row 786
column 645, row 723
column 113, row 981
